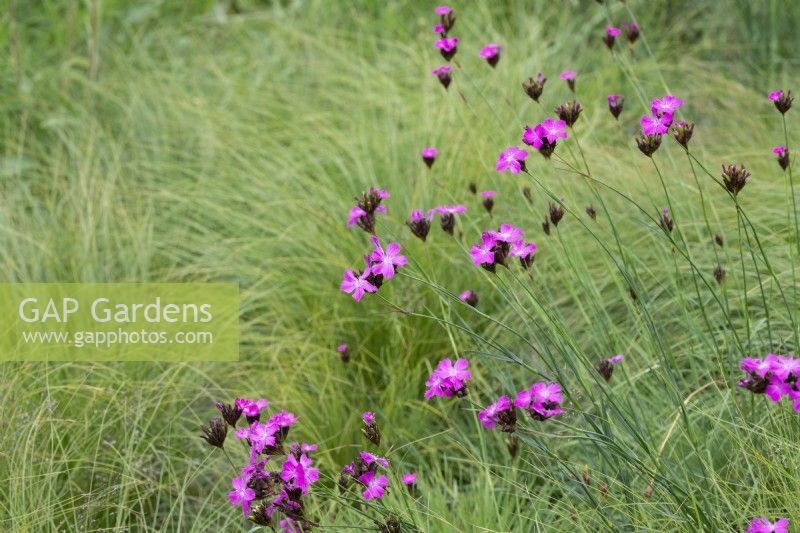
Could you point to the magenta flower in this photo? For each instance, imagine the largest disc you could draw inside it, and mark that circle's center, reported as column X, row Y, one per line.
column 299, row 472
column 369, row 458
column 569, row 76
column 356, row 213
column 488, row 194
column 385, row 261
column 542, row 400
column 375, row 485
column 259, row 435
column 606, row 367
column 512, row 160
column 368, row 417
column 762, row 525
column 409, row 479
column 438, row 28
column 341, row 348
column 553, row 129
column 241, row 494
column 778, row 150
column 533, row 136
column 252, row 408
column 666, row 105
column 444, row 73
column 284, row 419
column 483, row 253
column 774, row 96
column 450, row 209
column 491, row 53
column 616, row 359
column 500, row 412
column 759, row 367
column 429, row 155
column 448, row 379
column 507, row 233
column 443, row 10
column 777, row 388
column 613, row 31
column 782, row 366
column 655, row 125
column 448, row 46
column 615, row 104
column 611, row 35
column 356, row 285
column 522, row 249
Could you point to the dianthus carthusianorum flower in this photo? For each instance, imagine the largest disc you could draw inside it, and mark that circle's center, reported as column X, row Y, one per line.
column 783, row 156
column 447, row 216
column 241, row 494
column 375, row 485
column 445, row 75
column 606, row 367
column 682, row 131
column 569, row 76
column 615, row 104
column 774, row 375
column 501, row 413
column 783, row 101
column 469, row 297
column 763, row 525
column 429, row 154
column 448, row 379
column 734, row 178
column 491, row 53
column 420, row 223
column 534, row 87
column 371, row 430
column 631, row 31
column 363, row 213
column 542, row 400
column 357, row 284
column 569, row 112
column 665, row 105
column 612, row 32
column 448, row 46
column 544, row 135
column 512, row 160
column 385, row 262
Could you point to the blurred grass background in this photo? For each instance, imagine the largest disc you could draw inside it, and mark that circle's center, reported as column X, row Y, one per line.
column 171, row 141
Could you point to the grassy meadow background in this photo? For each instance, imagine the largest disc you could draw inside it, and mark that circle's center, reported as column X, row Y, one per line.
column 187, row 141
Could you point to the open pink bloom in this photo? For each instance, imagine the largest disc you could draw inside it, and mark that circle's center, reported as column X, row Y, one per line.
column 778, row 150
column 417, row 215
column 613, row 31
column 777, row 389
column 774, row 96
column 260, row 435
column 300, row 472
column 614, row 99
column 533, row 136
column 356, row 285
column 522, row 249
column 444, row 69
column 512, row 160
column 368, row 417
column 488, row 194
column 616, row 359
column 542, row 400
column 241, row 494
column 783, row 365
column 355, row 214
column 375, row 485
column 759, row 367
column 443, row 10
column 341, row 348
column 450, row 209
column 429, row 151
column 655, row 125
column 448, row 44
column 762, row 525
column 284, row 419
column 464, row 296
column 448, row 378
column 490, row 50
column 438, row 28
column 507, row 233
column 369, row 458
column 489, row 416
column 666, row 105
column 568, row 75
column 252, row 408
column 483, row 253
column 409, row 479
column 553, row 129
column 385, row 261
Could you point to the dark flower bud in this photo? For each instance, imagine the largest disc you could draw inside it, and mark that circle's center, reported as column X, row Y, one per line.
column 632, row 294
column 665, row 221
column 473, row 188
column 469, row 297
column 507, row 420
column 611, row 36
column 615, row 104
column 447, row 19
column 569, row 111
column 734, row 178
column 783, row 156
column 526, row 192
column 444, row 73
column 719, row 274
column 631, row 31
column 718, row 240
column 556, row 213
column 344, row 352
column 215, row 432
column 754, row 383
column 534, row 87
column 392, row 525
column 344, row 481
column 648, row 144
column 488, row 204
column 605, row 369
column 230, row 413
column 526, row 261
column 371, row 430
column 419, row 224
column 448, row 222
column 682, row 131
column 258, row 515
column 591, row 212
column 546, row 226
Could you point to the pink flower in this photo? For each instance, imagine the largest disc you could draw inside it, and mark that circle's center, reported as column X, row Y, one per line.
column 355, row 214
column 522, row 249
column 429, row 151
column 491, row 53
column 409, row 479
column 778, row 150
column 759, row 367
column 533, row 136
column 552, row 129
column 443, row 10
column 464, row 296
column 783, row 365
column 488, row 194
column 356, row 285
column 369, row 458
column 259, row 435
column 368, row 417
column 616, row 359
column 489, row 417
column 762, row 525
column 512, row 160
column 613, row 31
column 777, row 389
column 448, row 378
column 241, row 494
column 444, row 69
column 300, row 472
column 341, row 348
column 542, row 400
column 376, row 485
column 450, row 209
column 568, row 75
column 507, row 233
column 252, row 408
column 438, row 28
column 655, row 125
column 666, row 105
column 446, row 44
column 385, row 261
column 775, row 96
column 284, row 419
column 483, row 253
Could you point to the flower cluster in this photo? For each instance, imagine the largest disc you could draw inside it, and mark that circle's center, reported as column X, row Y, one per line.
column 497, row 246
column 542, row 401
column 763, row 525
column 363, row 213
column 544, row 135
column 657, row 123
column 447, row 46
column 380, row 265
column 774, row 375
column 448, row 379
column 366, row 471
column 265, row 494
